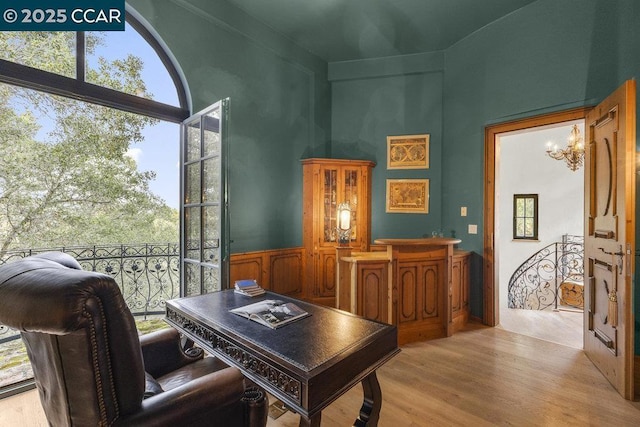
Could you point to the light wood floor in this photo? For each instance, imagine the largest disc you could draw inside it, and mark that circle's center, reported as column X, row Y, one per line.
column 479, row 377
column 562, row 326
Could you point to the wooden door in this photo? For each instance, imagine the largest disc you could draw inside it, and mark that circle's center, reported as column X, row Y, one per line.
column 610, row 236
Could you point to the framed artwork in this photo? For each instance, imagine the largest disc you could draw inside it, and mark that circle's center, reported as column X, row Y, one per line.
column 408, row 196
column 408, row 152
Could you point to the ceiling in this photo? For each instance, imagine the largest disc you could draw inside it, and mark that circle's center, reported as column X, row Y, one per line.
column 340, row 30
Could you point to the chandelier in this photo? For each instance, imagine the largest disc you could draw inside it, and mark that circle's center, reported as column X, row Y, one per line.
column 573, row 154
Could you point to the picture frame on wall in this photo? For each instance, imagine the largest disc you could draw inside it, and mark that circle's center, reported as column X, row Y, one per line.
column 407, row 196
column 408, row 152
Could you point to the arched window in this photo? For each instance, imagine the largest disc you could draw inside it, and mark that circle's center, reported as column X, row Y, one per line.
column 46, row 67
column 48, row 72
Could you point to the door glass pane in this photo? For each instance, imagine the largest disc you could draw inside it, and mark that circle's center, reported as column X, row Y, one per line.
column 192, row 233
column 192, row 278
column 211, row 279
column 211, row 190
column 192, row 184
column 192, row 141
column 211, row 235
column 212, row 133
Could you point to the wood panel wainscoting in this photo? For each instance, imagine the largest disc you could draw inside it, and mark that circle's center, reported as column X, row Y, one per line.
column 277, row 270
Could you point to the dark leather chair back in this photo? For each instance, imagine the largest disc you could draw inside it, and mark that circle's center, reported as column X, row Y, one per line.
column 80, row 337
column 89, row 363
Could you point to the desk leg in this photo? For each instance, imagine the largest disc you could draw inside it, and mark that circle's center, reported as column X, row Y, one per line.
column 370, row 410
column 311, row 422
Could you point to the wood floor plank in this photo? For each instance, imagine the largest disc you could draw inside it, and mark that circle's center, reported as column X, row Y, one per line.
column 478, row 377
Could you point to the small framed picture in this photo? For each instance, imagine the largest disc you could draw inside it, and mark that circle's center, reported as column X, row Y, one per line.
column 408, row 152
column 408, row 196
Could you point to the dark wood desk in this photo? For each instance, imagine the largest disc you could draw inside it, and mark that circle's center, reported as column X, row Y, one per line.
column 307, row 364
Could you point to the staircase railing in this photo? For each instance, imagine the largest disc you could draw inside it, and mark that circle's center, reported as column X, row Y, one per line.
column 536, row 284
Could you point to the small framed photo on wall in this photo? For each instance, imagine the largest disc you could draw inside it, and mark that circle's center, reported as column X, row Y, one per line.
column 408, row 152
column 408, row 196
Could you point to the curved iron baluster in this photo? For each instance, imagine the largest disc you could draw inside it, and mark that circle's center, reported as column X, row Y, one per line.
column 535, row 284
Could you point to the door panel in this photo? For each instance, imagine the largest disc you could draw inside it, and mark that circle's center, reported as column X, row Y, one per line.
column 204, row 232
column 610, row 236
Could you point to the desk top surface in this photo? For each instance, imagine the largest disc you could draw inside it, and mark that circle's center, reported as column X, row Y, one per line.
column 319, row 340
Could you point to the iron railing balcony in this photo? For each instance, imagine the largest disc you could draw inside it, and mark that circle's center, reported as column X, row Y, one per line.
column 147, row 274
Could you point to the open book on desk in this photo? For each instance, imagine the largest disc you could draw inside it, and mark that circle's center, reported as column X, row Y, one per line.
column 271, row 313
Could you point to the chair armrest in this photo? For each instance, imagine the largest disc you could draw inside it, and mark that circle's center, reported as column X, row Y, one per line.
column 162, row 352
column 209, row 400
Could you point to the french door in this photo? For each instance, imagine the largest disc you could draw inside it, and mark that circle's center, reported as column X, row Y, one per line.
column 204, row 235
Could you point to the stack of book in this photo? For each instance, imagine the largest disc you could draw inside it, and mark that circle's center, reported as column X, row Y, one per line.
column 248, row 287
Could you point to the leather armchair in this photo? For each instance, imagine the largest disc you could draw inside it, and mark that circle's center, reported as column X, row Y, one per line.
column 91, row 367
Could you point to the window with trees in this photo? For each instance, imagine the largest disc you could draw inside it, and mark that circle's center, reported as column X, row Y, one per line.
column 525, row 216
column 73, row 109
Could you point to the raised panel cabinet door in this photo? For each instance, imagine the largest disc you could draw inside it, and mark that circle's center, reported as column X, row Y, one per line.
column 372, row 294
column 408, row 276
column 326, row 279
column 430, row 288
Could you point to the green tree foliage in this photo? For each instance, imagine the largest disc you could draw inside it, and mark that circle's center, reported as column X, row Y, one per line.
column 76, row 185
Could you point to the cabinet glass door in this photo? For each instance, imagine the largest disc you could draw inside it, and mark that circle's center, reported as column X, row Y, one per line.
column 339, row 185
column 204, row 229
column 350, row 194
column 330, row 205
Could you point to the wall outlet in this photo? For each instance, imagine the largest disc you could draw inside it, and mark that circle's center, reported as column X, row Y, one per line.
column 463, row 211
column 473, row 229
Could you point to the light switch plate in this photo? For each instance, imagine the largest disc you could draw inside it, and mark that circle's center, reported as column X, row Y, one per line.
column 463, row 211
column 473, row 229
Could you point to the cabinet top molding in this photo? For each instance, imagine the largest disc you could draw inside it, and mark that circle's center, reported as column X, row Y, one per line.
column 318, row 160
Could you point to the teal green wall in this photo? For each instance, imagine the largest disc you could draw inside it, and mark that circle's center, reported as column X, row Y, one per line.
column 279, row 98
column 395, row 96
column 547, row 56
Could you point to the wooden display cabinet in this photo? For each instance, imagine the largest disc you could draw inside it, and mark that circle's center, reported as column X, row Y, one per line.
column 326, row 184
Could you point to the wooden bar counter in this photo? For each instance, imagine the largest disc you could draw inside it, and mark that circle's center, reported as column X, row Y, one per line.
column 419, row 285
